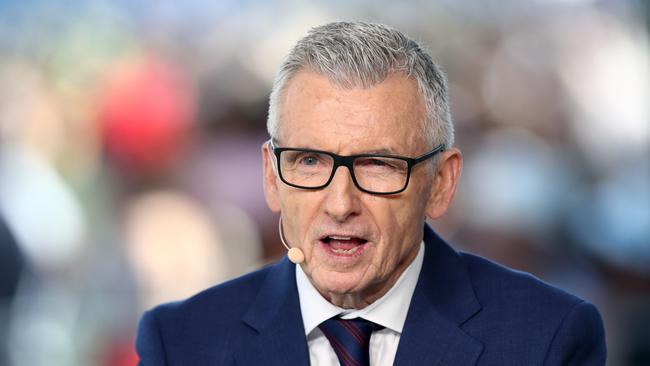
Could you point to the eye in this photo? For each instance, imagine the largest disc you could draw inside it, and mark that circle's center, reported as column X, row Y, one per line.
column 381, row 165
column 376, row 162
column 308, row 160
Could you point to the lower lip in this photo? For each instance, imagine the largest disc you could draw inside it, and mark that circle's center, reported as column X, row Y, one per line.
column 343, row 254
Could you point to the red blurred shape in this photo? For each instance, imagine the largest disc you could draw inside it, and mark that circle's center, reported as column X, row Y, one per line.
column 145, row 114
column 119, row 353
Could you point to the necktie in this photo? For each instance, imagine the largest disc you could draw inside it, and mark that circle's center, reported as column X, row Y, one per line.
column 350, row 339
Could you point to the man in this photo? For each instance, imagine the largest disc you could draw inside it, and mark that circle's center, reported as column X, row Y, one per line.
column 360, row 154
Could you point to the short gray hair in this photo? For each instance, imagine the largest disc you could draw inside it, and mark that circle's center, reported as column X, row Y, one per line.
column 358, row 54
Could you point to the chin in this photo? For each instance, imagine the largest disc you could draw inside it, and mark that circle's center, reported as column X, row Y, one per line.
column 338, row 282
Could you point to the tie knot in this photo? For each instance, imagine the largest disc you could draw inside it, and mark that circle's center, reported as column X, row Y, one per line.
column 349, row 339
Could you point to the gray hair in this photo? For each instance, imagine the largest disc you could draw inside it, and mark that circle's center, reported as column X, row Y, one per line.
column 358, row 54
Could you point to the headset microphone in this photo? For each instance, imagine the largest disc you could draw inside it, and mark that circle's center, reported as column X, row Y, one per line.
column 295, row 254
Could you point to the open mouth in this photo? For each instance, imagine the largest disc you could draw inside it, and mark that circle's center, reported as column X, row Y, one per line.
column 343, row 245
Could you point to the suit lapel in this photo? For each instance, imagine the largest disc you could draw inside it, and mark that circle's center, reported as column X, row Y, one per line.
column 275, row 316
column 443, row 300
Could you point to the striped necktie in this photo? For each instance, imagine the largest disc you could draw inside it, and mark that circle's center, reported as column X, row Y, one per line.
column 350, row 339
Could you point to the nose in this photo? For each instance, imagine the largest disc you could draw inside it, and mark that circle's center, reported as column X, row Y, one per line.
column 342, row 196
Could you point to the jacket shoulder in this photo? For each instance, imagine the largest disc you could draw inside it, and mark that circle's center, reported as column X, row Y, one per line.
column 531, row 320
column 495, row 283
column 224, row 302
column 200, row 329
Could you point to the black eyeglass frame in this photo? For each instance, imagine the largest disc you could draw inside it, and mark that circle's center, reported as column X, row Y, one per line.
column 348, row 160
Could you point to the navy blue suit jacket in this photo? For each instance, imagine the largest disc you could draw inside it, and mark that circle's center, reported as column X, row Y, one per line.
column 465, row 311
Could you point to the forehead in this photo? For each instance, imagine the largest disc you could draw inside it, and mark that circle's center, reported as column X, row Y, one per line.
column 317, row 113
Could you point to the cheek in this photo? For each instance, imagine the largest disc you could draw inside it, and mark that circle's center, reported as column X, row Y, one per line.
column 389, row 218
column 395, row 216
column 400, row 225
column 297, row 215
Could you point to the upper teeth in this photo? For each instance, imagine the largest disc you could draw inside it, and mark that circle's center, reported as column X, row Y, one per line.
column 340, row 237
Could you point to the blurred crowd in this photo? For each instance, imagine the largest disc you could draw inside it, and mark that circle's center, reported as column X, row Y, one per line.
column 130, row 169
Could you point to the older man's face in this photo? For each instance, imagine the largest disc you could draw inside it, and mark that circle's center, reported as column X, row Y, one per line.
column 384, row 231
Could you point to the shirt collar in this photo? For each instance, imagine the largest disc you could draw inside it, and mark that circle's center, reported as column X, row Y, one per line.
column 389, row 310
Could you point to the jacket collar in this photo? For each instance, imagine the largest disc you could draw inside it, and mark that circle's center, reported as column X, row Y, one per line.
column 444, row 299
column 275, row 316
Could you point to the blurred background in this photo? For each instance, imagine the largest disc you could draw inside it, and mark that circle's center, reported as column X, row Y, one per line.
column 130, row 169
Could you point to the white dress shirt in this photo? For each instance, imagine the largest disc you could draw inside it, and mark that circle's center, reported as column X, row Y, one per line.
column 389, row 311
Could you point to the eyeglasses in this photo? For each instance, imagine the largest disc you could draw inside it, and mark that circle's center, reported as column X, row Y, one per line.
column 371, row 173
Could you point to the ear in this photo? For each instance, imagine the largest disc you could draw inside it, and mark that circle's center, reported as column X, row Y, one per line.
column 270, row 179
column 447, row 174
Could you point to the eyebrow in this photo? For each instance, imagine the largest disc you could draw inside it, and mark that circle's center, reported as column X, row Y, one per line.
column 375, row 151
column 378, row 151
column 382, row 151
